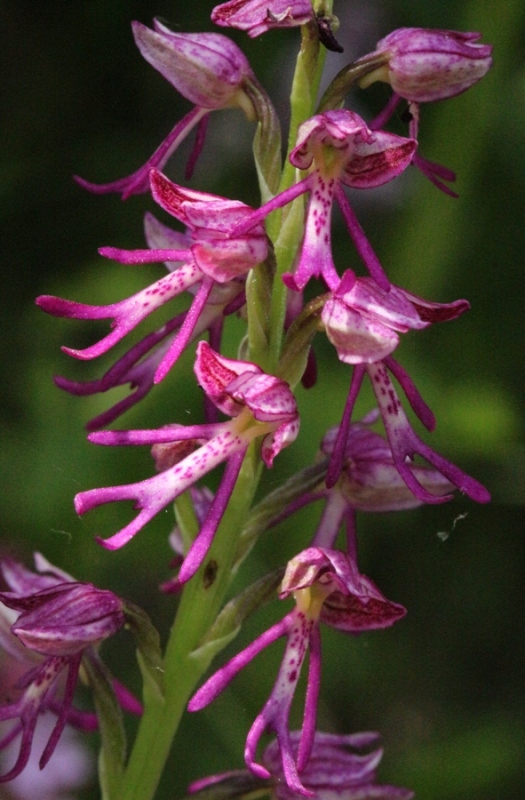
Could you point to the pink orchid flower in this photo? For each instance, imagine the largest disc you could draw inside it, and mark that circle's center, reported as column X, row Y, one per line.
column 49, row 622
column 260, row 406
column 207, row 256
column 337, row 149
column 329, row 589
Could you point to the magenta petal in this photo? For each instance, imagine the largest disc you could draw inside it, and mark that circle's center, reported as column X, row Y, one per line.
column 338, row 454
column 202, row 543
column 436, row 174
column 418, row 405
column 126, row 314
column 220, row 679
column 186, row 331
column 138, row 182
column 363, row 246
column 56, row 733
column 148, row 256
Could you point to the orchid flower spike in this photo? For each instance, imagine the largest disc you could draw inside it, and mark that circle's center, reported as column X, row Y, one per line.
column 340, row 768
column 258, row 16
column 336, row 148
column 260, row 405
column 328, row 588
column 210, row 257
column 208, row 69
column 57, row 622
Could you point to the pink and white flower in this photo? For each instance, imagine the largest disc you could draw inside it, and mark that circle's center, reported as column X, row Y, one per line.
column 207, row 256
column 337, row 149
column 327, row 588
column 260, row 405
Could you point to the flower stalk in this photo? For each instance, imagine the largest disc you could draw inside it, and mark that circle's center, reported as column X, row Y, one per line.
column 255, row 263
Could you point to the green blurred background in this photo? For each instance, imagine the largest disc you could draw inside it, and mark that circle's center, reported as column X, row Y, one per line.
column 445, row 686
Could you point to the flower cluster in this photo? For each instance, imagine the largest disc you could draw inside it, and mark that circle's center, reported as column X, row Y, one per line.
column 50, row 624
column 339, row 767
column 232, row 258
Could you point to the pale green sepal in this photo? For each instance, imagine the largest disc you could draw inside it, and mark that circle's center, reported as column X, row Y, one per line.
column 148, row 643
column 113, row 738
column 298, row 340
column 346, row 79
column 205, row 654
column 267, row 140
column 229, row 622
column 186, row 519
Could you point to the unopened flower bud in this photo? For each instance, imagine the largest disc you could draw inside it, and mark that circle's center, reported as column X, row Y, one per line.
column 63, row 620
column 259, row 16
column 423, row 65
column 206, row 68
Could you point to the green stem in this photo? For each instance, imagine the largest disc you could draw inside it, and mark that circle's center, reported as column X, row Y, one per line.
column 285, row 227
column 201, row 601
column 204, row 595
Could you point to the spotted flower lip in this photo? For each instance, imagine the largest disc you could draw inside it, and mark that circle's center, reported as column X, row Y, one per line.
column 204, row 257
column 63, row 621
column 404, row 443
column 363, row 321
column 259, row 16
column 328, row 588
column 261, row 406
column 206, row 68
column 337, row 148
column 423, row 65
column 342, row 767
column 370, row 480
